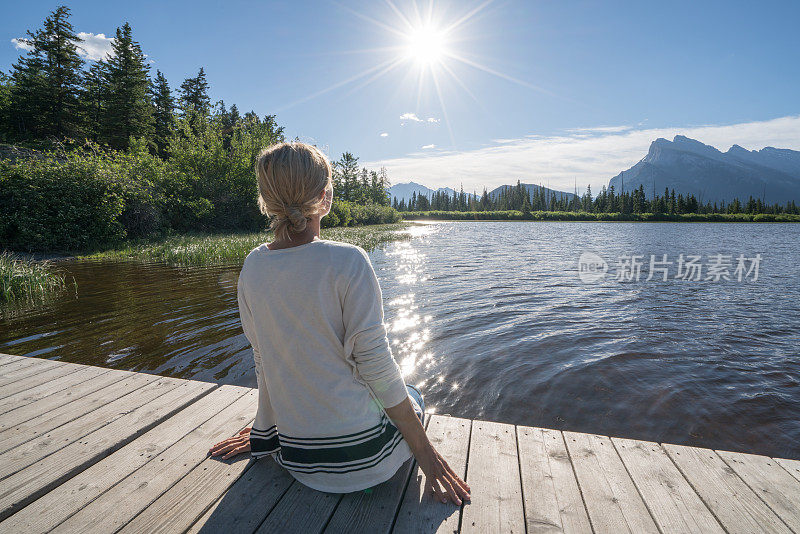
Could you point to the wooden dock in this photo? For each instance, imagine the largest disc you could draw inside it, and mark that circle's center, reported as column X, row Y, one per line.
column 85, row 449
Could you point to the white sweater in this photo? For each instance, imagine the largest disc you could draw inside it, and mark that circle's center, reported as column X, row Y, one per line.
column 314, row 316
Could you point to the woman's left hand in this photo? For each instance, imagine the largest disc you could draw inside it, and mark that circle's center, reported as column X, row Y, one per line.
column 232, row 446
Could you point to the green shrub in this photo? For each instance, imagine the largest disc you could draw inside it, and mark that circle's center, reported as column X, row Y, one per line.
column 59, row 205
column 350, row 214
column 93, row 198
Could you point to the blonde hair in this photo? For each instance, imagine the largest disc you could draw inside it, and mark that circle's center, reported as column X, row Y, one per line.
column 291, row 179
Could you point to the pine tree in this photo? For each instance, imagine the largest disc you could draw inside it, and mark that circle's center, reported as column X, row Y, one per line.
column 194, row 95
column 345, row 177
column 128, row 111
column 587, row 199
column 5, row 106
column 94, row 95
column 47, row 80
column 163, row 113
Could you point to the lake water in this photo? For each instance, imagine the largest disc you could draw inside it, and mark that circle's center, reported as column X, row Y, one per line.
column 493, row 321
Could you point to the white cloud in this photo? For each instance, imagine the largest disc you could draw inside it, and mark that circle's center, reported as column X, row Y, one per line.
column 94, row 47
column 600, row 129
column 384, row 134
column 414, row 118
column 428, row 147
column 19, row 44
column 562, row 159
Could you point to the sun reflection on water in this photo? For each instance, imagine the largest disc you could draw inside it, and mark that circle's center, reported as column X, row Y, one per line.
column 408, row 328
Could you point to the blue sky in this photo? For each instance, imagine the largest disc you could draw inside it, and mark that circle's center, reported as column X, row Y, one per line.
column 545, row 91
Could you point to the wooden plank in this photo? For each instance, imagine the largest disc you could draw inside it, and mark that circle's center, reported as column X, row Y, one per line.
column 27, row 363
column 51, row 412
column 9, row 358
column 70, row 497
column 553, row 501
column 25, row 444
column 612, row 501
column 422, row 513
column 20, row 363
column 493, row 477
column 25, row 486
column 729, row 498
column 27, row 370
column 130, row 495
column 374, row 509
column 791, row 466
column 671, row 500
column 301, row 510
column 43, row 377
column 245, row 505
column 179, row 508
column 771, row 482
column 53, row 387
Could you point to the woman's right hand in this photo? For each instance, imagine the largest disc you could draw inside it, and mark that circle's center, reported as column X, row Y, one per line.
column 440, row 479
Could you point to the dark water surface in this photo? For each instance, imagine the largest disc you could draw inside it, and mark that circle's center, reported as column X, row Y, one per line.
column 492, row 320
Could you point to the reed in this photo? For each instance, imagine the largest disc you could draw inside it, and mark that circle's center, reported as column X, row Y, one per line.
column 211, row 249
column 26, row 280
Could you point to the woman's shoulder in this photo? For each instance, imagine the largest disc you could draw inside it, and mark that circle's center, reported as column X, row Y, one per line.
column 338, row 251
column 345, row 248
column 257, row 251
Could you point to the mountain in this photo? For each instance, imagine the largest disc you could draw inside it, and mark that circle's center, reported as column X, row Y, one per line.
column 689, row 166
column 404, row 191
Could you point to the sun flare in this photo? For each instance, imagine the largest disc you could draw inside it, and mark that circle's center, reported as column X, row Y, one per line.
column 426, row 45
column 428, row 40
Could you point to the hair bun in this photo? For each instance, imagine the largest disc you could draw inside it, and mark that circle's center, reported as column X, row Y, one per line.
column 297, row 221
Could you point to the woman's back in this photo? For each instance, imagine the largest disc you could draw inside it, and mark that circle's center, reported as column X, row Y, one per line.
column 314, row 316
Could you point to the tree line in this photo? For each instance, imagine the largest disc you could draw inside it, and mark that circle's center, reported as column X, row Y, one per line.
column 519, row 198
column 52, row 94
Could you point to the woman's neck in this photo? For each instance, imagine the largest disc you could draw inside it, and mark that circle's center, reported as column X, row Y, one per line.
column 300, row 238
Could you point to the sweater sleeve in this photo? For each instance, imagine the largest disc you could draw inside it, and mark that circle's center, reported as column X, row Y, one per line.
column 365, row 336
column 264, row 416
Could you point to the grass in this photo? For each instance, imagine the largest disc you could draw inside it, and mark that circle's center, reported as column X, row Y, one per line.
column 28, row 281
column 209, row 249
column 512, row 215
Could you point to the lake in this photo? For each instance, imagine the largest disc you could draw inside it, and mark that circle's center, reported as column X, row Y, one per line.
column 495, row 320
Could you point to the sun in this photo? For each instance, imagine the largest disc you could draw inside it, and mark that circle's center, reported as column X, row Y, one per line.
column 428, row 39
column 426, row 45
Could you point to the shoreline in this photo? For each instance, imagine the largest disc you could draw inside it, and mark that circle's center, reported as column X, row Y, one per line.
column 568, row 216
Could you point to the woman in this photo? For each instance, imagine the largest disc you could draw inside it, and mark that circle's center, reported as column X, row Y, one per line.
column 333, row 407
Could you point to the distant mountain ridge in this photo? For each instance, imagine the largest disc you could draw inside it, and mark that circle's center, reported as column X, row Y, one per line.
column 691, row 167
column 405, row 191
